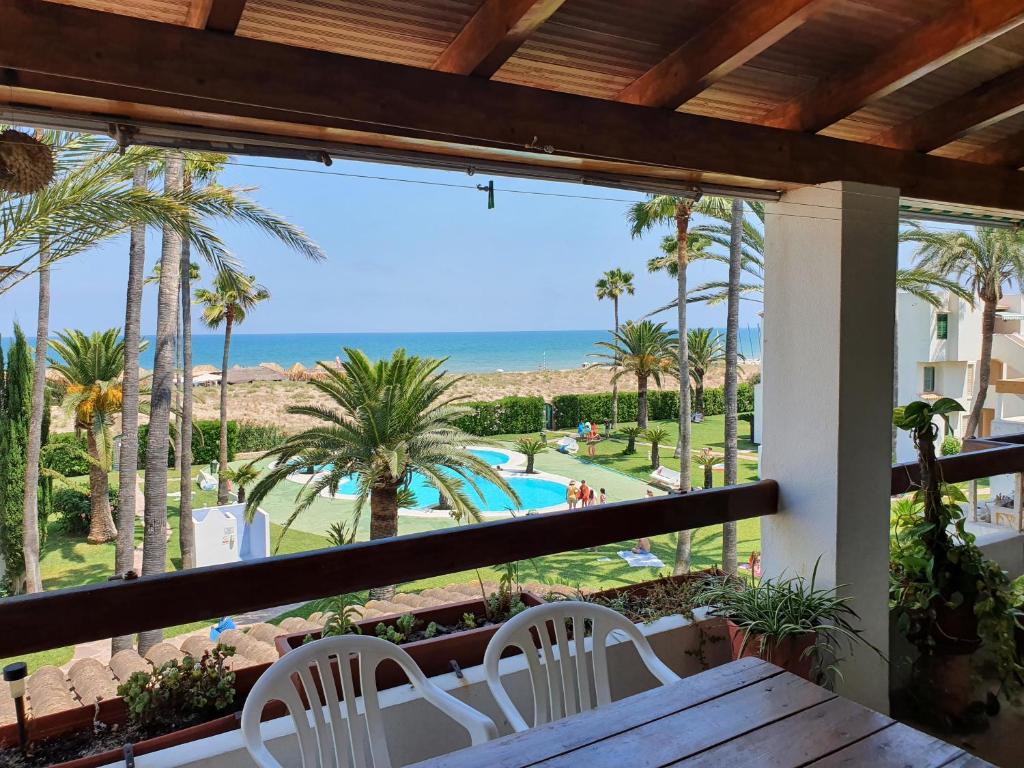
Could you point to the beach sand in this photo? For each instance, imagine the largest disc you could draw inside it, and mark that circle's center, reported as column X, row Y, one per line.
column 266, row 402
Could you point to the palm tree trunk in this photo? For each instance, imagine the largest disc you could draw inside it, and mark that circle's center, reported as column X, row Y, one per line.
column 383, row 525
column 154, row 548
column 186, row 530
column 128, row 460
column 988, row 324
column 732, row 328
column 101, row 522
column 682, row 258
column 709, row 476
column 176, row 410
column 30, row 508
column 698, row 394
column 655, row 455
column 615, row 382
column 222, row 481
column 641, row 401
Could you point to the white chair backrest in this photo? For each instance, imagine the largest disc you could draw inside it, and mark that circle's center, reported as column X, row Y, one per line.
column 560, row 673
column 343, row 734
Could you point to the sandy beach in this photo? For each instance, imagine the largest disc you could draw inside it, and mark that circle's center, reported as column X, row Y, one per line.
column 266, row 402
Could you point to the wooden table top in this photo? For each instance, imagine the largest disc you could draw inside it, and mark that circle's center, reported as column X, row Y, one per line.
column 748, row 712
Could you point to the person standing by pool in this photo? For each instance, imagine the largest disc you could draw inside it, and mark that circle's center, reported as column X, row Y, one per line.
column 571, row 494
column 603, row 498
column 591, row 446
column 580, row 430
column 584, row 494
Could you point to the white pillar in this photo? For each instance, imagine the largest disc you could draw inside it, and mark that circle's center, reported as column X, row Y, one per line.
column 830, row 294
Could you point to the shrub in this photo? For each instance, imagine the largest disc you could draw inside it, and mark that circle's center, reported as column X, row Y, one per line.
column 72, row 511
column 205, row 442
column 64, row 453
column 950, row 446
column 254, row 437
column 180, row 692
column 510, row 415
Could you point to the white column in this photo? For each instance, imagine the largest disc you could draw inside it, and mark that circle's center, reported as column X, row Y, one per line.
column 830, row 292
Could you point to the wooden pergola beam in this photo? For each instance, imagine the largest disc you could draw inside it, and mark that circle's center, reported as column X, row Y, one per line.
column 139, row 66
column 215, row 15
column 967, row 25
column 493, row 34
column 1006, row 153
column 740, row 33
column 990, row 102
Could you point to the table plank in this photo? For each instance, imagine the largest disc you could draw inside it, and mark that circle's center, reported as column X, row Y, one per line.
column 898, row 746
column 794, row 740
column 698, row 728
column 968, row 760
column 535, row 745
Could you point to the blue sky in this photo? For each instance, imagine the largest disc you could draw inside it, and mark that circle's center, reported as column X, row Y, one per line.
column 402, row 257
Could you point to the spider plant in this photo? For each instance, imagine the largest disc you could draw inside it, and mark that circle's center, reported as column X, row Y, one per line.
column 785, row 610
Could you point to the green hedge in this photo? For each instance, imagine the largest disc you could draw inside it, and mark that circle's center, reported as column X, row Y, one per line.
column 258, row 437
column 205, row 442
column 63, row 453
column 662, row 404
column 510, row 415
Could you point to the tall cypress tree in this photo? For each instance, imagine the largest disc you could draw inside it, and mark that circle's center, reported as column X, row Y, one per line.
column 14, row 421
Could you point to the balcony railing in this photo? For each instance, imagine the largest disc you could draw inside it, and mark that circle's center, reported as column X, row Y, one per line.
column 81, row 614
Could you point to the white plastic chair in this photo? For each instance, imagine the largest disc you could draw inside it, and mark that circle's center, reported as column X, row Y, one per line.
column 343, row 738
column 562, row 679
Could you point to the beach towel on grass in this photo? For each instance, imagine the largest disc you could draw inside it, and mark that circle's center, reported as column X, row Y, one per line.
column 641, row 561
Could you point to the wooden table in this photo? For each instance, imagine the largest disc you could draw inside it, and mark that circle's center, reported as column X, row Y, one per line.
column 747, row 713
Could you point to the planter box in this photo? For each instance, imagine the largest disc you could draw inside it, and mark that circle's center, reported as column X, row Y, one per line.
column 643, row 588
column 112, row 712
column 434, row 655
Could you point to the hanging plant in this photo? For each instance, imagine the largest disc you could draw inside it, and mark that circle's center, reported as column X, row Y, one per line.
column 26, row 164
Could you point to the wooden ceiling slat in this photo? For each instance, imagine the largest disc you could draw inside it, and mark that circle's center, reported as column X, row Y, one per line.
column 967, row 25
column 990, row 102
column 740, row 33
column 493, row 34
column 1007, row 153
column 245, row 79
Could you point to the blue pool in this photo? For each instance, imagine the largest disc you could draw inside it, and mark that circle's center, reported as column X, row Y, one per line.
column 494, row 458
column 534, row 493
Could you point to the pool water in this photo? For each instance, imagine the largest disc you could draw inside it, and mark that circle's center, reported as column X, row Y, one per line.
column 534, row 493
column 494, row 458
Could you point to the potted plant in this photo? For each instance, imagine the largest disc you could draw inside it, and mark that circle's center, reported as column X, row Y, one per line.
column 789, row 621
column 179, row 702
column 434, row 637
column 948, row 600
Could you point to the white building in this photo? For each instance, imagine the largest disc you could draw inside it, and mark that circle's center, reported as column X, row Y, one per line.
column 938, row 355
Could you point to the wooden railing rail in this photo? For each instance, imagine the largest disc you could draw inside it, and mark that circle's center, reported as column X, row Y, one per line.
column 53, row 619
column 979, row 458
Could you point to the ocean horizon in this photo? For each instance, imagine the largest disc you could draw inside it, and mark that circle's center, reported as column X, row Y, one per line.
column 467, row 351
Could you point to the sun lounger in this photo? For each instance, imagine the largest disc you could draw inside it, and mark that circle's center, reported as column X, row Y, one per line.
column 206, row 481
column 567, row 445
column 666, row 478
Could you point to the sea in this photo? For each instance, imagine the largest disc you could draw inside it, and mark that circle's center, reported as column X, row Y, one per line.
column 467, row 351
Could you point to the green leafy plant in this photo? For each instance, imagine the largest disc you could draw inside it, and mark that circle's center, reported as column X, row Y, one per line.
column 946, row 596
column 431, row 630
column 530, row 447
column 950, row 446
column 180, row 692
column 775, row 611
column 342, row 614
column 242, row 477
column 254, row 437
column 513, row 415
column 72, row 509
column 506, row 601
column 401, row 630
column 469, row 620
column 340, row 534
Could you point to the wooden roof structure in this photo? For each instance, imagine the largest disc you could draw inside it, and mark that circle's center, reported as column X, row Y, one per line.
column 763, row 95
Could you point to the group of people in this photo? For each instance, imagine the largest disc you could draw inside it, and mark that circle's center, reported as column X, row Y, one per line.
column 583, row 495
column 587, row 430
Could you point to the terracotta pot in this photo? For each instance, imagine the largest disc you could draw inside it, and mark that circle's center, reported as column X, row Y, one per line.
column 435, row 655
column 789, row 654
column 955, row 630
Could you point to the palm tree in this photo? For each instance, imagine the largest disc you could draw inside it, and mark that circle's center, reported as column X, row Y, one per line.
column 530, row 447
column 658, row 209
column 232, row 298
column 385, row 421
column 631, row 434
column 642, row 349
column 656, row 436
column 707, row 349
column 986, row 260
column 707, row 461
column 614, row 284
column 89, row 368
column 732, row 326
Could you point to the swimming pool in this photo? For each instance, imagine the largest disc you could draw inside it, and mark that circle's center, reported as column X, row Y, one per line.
column 534, row 493
column 491, row 457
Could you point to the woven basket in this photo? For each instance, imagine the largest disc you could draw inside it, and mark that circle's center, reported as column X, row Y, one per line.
column 26, row 164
